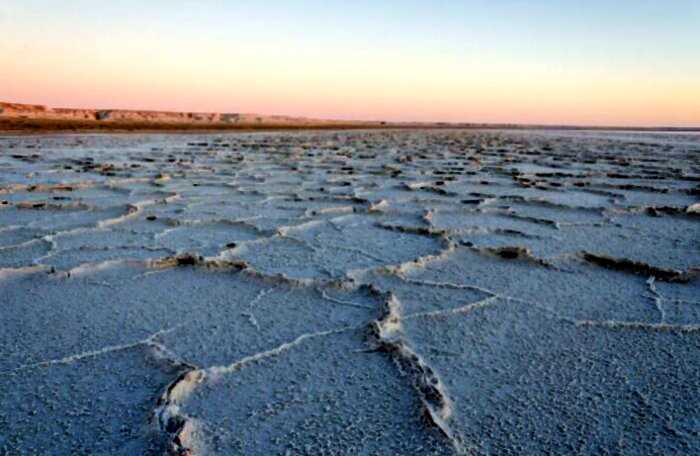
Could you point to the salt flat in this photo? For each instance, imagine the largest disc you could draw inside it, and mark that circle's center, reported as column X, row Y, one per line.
column 383, row 292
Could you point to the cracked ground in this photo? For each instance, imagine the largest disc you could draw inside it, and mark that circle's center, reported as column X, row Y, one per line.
column 354, row 293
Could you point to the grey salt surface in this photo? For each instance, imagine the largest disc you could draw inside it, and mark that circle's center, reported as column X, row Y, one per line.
column 350, row 293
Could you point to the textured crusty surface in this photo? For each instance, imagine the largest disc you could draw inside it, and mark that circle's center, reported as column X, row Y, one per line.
column 412, row 292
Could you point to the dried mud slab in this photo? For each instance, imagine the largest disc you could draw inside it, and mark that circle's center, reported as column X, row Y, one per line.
column 377, row 292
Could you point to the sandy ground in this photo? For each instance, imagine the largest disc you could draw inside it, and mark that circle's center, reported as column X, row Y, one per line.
column 355, row 293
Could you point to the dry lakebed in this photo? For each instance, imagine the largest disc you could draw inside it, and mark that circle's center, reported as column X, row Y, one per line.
column 379, row 292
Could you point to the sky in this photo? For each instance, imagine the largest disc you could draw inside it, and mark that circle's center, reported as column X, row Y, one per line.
column 625, row 62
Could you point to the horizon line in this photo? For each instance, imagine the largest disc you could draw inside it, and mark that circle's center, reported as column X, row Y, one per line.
column 340, row 122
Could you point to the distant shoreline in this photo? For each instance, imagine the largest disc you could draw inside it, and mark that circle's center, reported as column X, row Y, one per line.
column 50, row 126
column 16, row 118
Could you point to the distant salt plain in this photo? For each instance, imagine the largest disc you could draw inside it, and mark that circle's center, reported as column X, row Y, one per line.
column 376, row 292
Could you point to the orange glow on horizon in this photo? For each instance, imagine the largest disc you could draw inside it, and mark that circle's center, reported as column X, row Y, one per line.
column 348, row 85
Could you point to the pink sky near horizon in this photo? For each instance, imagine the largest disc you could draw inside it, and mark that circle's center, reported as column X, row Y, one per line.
column 543, row 102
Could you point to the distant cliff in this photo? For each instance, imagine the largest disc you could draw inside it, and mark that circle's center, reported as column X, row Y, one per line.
column 27, row 112
column 27, row 117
